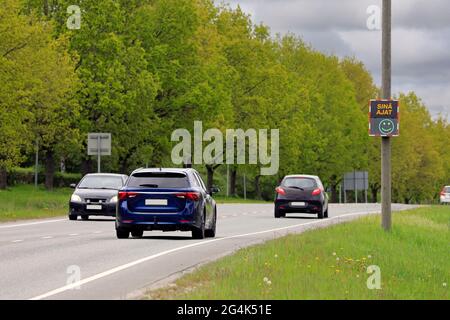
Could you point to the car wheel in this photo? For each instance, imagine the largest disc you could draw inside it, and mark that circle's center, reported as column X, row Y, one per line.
column 137, row 233
column 279, row 214
column 72, row 217
column 199, row 233
column 320, row 215
column 85, row 217
column 122, row 234
column 211, row 233
column 326, row 213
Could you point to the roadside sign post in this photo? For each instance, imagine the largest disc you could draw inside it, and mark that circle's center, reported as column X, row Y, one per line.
column 355, row 181
column 228, row 180
column 187, row 162
column 386, row 179
column 389, row 125
column 384, row 122
column 36, row 164
column 345, row 196
column 99, row 156
column 365, row 196
column 99, row 144
column 245, row 187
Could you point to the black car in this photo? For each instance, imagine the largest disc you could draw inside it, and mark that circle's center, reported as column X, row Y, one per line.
column 301, row 194
column 167, row 200
column 96, row 195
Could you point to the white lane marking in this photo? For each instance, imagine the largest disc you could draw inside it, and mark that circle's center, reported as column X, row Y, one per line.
column 16, row 241
column 30, row 224
column 47, row 237
column 97, row 232
column 245, row 213
column 73, row 234
column 235, row 215
column 152, row 257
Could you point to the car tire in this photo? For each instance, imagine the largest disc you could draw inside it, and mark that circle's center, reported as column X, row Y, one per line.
column 279, row 214
column 122, row 233
column 137, row 233
column 85, row 217
column 211, row 233
column 320, row 215
column 73, row 217
column 199, row 233
column 326, row 213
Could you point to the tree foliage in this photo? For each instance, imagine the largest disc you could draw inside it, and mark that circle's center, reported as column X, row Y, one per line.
column 143, row 68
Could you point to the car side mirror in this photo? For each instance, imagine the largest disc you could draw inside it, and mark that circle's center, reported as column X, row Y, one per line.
column 214, row 190
column 73, row 185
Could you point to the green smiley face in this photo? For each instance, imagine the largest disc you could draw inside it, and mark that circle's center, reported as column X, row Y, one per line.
column 387, row 126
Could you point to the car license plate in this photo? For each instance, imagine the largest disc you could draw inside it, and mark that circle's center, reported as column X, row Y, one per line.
column 93, row 207
column 156, row 202
column 298, row 204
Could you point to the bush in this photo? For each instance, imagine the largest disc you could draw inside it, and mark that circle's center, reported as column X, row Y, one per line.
column 18, row 176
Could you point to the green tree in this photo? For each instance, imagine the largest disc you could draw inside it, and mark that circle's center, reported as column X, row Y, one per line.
column 337, row 125
column 365, row 90
column 37, row 79
column 417, row 168
column 184, row 50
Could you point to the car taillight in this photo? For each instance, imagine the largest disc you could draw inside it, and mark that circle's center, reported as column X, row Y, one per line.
column 194, row 196
column 316, row 192
column 280, row 191
column 443, row 192
column 125, row 195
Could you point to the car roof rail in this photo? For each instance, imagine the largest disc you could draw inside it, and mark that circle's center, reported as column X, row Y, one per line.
column 138, row 169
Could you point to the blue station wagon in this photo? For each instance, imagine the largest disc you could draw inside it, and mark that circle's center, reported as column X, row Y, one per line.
column 167, row 200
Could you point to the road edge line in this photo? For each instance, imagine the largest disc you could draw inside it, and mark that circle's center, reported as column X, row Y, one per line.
column 154, row 256
column 28, row 224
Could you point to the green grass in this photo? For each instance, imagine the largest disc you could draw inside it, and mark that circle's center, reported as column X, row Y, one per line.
column 27, row 202
column 332, row 263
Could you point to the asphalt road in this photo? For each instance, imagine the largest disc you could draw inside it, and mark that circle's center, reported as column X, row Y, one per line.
column 41, row 259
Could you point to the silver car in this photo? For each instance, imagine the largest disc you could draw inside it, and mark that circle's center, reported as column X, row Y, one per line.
column 445, row 195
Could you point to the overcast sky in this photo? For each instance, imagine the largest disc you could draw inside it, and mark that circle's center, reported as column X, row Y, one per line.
column 421, row 38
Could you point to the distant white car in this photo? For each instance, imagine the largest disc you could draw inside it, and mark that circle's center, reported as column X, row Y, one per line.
column 445, row 195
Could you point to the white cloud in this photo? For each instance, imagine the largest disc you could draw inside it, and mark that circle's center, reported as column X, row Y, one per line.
column 421, row 33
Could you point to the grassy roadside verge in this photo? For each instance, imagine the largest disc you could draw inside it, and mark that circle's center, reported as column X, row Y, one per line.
column 26, row 202
column 332, row 263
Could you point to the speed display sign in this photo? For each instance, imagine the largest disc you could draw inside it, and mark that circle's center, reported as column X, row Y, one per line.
column 384, row 118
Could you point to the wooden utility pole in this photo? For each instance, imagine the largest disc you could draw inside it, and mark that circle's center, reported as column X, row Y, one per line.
column 36, row 164
column 386, row 179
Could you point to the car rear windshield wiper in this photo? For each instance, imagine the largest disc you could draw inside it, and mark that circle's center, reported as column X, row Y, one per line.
column 149, row 185
column 295, row 187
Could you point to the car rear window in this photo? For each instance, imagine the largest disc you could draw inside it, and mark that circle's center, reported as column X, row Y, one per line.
column 304, row 183
column 447, row 189
column 170, row 180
